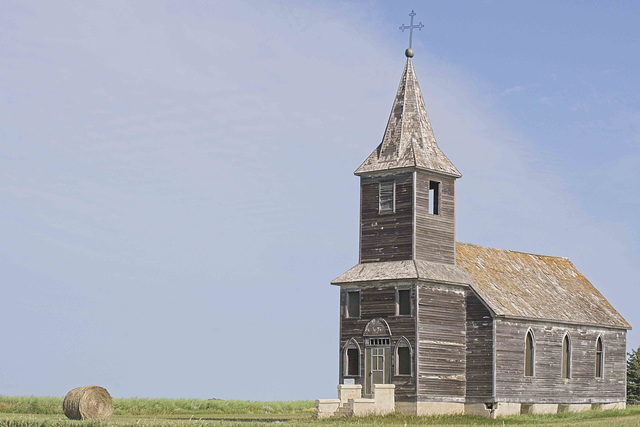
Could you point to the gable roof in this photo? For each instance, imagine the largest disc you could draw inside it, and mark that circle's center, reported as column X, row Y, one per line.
column 512, row 284
column 524, row 285
column 408, row 139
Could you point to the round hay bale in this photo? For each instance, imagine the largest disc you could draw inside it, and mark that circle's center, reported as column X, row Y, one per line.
column 89, row 402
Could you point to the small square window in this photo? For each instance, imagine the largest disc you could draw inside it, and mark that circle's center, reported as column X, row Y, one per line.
column 404, row 302
column 353, row 304
column 387, row 197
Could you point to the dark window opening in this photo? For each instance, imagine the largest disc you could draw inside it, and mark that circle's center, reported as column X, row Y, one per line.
column 434, row 198
column 566, row 357
column 404, row 361
column 404, row 302
column 387, row 196
column 353, row 362
column 528, row 355
column 599, row 358
column 353, row 304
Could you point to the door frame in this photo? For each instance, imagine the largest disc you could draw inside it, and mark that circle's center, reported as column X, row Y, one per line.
column 384, row 351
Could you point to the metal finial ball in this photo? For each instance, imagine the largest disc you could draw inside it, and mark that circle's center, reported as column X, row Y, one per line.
column 409, row 53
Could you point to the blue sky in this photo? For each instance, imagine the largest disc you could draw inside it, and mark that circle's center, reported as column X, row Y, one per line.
column 176, row 188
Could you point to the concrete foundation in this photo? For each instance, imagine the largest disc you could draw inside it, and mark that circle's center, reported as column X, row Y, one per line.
column 347, row 392
column 385, row 398
column 615, row 405
column 439, row 408
column 326, row 408
column 574, row 407
column 407, row 408
column 362, row 407
column 383, row 402
column 350, row 402
column 479, row 409
column 502, row 409
column 539, row 408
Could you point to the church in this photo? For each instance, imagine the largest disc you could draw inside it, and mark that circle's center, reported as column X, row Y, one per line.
column 436, row 326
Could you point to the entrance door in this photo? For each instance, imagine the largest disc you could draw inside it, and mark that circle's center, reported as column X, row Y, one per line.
column 377, row 362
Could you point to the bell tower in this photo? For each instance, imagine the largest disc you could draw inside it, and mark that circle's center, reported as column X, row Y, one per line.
column 407, row 186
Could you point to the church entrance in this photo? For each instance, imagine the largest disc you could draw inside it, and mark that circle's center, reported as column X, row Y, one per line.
column 377, row 354
column 376, row 366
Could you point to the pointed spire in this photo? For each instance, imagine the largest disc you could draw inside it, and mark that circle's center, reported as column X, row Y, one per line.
column 408, row 140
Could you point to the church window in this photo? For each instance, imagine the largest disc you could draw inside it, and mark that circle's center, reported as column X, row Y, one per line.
column 566, row 357
column 434, row 198
column 528, row 355
column 599, row 358
column 352, row 359
column 387, row 197
column 403, row 357
column 403, row 299
column 353, row 304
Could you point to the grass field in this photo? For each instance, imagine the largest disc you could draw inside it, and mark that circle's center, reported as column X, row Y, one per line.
column 47, row 412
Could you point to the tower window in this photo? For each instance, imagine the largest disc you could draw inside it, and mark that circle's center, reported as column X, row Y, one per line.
column 528, row 355
column 404, row 302
column 353, row 304
column 599, row 358
column 387, row 197
column 434, row 198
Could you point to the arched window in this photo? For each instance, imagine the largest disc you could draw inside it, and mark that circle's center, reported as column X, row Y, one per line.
column 402, row 356
column 566, row 357
column 599, row 358
column 351, row 357
column 528, row 354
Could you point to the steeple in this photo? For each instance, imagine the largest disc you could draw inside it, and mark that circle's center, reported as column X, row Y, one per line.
column 407, row 186
column 408, row 141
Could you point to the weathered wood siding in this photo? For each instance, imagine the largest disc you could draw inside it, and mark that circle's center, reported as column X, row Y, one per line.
column 389, row 236
column 379, row 300
column 442, row 343
column 547, row 385
column 479, row 349
column 435, row 234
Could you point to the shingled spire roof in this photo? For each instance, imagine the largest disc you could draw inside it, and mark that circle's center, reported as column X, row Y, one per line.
column 408, row 140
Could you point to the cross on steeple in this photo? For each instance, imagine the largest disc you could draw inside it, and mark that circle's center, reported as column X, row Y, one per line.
column 410, row 27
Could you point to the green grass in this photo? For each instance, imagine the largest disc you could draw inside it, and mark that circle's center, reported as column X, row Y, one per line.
column 150, row 407
column 31, row 405
column 47, row 412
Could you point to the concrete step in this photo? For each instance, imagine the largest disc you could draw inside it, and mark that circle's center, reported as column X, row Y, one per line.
column 343, row 411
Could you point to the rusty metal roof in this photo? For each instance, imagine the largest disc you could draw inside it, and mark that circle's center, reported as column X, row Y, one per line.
column 524, row 285
column 408, row 140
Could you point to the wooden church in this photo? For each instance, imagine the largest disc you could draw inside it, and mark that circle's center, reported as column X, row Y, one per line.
column 457, row 327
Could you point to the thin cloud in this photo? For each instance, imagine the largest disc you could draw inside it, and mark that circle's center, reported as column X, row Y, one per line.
column 511, row 90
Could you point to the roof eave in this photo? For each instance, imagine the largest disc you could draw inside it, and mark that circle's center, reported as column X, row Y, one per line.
column 564, row 322
column 373, row 172
column 336, row 282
